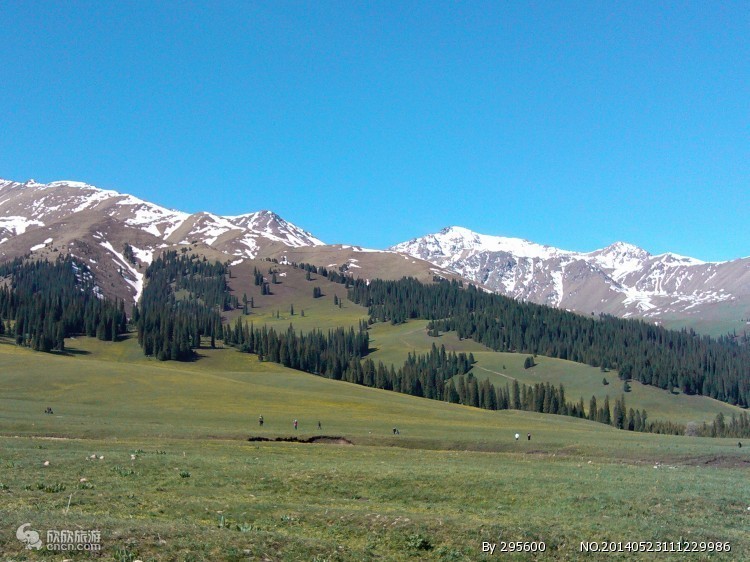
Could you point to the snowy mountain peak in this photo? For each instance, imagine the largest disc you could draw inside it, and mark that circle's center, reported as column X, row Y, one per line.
column 624, row 249
column 619, row 259
column 620, row 279
column 455, row 240
column 25, row 207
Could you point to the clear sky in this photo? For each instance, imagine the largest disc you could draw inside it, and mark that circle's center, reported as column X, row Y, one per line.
column 574, row 124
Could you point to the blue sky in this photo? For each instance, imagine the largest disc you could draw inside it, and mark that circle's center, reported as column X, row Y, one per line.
column 573, row 124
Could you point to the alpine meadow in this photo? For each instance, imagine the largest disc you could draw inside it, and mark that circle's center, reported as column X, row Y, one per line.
column 362, row 282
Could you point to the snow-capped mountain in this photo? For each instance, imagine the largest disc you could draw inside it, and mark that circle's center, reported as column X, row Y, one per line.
column 620, row 279
column 95, row 224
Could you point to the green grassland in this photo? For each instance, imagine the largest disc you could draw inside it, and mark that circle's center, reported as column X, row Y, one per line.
column 454, row 477
column 715, row 319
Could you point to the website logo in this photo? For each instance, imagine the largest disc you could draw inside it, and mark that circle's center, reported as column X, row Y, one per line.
column 28, row 537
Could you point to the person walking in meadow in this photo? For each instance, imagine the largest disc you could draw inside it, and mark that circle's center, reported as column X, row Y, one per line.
column 295, row 425
column 319, row 426
column 528, row 436
column 260, row 421
column 517, row 436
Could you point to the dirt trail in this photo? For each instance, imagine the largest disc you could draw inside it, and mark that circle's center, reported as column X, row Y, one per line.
column 496, row 372
column 325, row 439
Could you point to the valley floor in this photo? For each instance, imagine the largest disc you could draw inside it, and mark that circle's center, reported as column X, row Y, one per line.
column 175, row 478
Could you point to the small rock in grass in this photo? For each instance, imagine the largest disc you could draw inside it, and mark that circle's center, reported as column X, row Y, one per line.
column 46, row 463
column 101, row 457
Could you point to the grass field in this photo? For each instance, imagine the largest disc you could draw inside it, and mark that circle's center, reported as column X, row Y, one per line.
column 196, row 489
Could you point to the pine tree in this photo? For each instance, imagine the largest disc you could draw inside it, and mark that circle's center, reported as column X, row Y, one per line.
column 593, row 412
column 515, row 402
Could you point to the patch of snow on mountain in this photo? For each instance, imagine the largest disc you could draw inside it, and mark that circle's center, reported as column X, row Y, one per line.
column 148, row 216
column 251, row 244
column 18, row 225
column 641, row 300
column 676, row 260
column 370, row 250
column 144, row 256
column 137, row 281
column 63, row 183
column 92, row 199
column 557, row 277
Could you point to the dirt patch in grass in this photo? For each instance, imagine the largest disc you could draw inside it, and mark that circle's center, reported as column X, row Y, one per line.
column 718, row 461
column 325, row 439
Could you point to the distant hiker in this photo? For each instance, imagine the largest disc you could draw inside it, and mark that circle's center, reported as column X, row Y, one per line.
column 295, row 425
column 319, row 426
column 260, row 421
column 517, row 436
column 528, row 436
column 739, row 444
column 395, row 431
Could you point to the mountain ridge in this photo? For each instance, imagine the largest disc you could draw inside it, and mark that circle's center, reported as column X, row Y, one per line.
column 620, row 279
column 94, row 225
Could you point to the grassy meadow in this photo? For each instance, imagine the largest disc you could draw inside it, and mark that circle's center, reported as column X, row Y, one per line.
column 179, row 481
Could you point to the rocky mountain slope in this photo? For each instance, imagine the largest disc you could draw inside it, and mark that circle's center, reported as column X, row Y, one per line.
column 620, row 279
column 93, row 224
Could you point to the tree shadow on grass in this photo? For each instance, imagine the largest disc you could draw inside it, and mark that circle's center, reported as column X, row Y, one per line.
column 70, row 352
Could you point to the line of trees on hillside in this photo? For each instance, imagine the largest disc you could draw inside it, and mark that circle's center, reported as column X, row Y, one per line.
column 45, row 302
column 719, row 368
